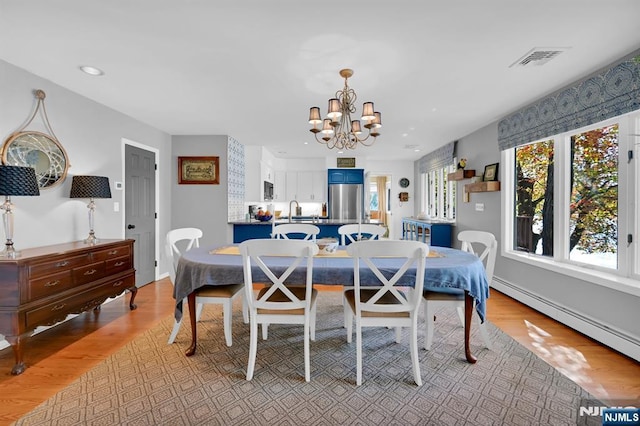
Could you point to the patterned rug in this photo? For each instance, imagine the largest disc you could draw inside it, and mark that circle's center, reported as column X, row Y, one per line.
column 151, row 383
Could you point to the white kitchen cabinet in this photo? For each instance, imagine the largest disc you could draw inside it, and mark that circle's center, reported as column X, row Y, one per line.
column 267, row 172
column 306, row 187
column 279, row 186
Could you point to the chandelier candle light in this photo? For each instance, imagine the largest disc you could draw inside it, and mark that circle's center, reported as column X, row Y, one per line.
column 14, row 180
column 90, row 187
column 338, row 130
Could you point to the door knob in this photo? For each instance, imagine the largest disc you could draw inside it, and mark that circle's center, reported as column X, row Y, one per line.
column 131, row 226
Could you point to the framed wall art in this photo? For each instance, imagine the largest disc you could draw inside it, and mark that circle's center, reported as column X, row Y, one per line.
column 199, row 170
column 490, row 172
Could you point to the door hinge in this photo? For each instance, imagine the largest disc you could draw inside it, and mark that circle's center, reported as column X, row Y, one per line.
column 629, row 238
column 155, row 167
column 629, row 156
column 156, row 215
column 155, row 263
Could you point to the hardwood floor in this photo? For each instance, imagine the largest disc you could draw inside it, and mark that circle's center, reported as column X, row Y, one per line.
column 56, row 357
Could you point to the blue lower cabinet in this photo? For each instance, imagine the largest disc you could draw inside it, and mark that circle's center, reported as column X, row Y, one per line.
column 434, row 233
column 248, row 232
column 242, row 232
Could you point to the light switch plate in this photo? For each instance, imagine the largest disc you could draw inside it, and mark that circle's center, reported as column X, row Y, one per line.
column 116, row 206
column 479, row 207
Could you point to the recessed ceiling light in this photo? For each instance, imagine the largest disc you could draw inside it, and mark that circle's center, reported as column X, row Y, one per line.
column 87, row 69
column 340, row 152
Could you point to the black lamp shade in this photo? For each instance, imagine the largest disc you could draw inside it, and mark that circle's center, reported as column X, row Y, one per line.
column 18, row 180
column 90, row 187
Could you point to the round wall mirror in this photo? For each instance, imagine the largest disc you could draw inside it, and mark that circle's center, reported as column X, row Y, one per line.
column 40, row 151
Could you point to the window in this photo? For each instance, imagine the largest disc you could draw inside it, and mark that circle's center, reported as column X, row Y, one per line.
column 573, row 203
column 373, row 196
column 439, row 194
column 593, row 202
column 534, row 198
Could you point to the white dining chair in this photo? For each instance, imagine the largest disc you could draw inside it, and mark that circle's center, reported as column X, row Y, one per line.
column 284, row 231
column 352, row 233
column 486, row 248
column 349, row 233
column 396, row 303
column 184, row 239
column 277, row 303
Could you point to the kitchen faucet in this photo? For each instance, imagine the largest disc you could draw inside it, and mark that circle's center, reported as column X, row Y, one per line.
column 290, row 209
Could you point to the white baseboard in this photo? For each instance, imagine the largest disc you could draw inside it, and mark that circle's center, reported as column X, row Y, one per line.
column 603, row 333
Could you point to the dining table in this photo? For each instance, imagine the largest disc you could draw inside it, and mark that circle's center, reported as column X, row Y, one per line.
column 446, row 269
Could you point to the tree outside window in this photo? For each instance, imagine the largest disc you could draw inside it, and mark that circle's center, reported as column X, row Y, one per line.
column 593, row 208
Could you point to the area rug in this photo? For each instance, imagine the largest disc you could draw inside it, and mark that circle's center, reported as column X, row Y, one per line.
column 151, row 383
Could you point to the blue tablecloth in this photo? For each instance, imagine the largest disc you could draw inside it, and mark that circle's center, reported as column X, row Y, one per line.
column 453, row 270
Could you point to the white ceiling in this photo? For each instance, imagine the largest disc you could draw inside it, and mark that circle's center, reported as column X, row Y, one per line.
column 436, row 70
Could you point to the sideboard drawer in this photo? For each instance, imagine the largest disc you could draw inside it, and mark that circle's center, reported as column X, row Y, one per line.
column 119, row 284
column 88, row 273
column 112, row 253
column 53, row 312
column 47, row 268
column 48, row 285
column 118, row 264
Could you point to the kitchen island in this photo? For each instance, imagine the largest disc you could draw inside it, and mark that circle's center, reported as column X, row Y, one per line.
column 244, row 230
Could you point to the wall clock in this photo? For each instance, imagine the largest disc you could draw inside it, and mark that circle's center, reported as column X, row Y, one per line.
column 404, row 182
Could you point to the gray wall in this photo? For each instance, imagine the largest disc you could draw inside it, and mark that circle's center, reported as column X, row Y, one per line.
column 595, row 302
column 201, row 206
column 92, row 136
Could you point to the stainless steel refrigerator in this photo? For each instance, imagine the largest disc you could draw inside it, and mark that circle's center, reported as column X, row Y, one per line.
column 346, row 201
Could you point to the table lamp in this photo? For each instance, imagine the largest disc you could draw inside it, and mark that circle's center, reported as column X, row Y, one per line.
column 90, row 187
column 14, row 180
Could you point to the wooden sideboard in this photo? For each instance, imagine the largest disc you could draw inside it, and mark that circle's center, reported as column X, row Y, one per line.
column 43, row 285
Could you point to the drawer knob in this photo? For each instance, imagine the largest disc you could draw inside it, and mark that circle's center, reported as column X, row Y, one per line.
column 61, row 264
column 118, row 283
column 91, row 272
column 119, row 263
column 52, row 283
column 58, row 307
column 112, row 252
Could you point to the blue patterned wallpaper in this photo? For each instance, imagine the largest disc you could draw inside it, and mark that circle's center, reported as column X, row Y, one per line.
column 611, row 92
column 235, row 179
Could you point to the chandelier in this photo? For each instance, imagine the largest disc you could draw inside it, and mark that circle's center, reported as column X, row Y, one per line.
column 338, row 130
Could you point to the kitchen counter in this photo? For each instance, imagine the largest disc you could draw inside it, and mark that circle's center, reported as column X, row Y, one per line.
column 243, row 230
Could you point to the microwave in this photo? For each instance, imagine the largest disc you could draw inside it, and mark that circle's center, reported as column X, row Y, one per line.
column 268, row 191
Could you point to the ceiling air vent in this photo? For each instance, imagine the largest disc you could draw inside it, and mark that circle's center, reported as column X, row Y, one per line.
column 538, row 56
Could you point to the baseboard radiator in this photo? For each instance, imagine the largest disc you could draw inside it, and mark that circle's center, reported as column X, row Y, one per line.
column 610, row 336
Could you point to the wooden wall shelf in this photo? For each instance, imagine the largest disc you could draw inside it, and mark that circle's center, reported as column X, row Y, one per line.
column 483, row 186
column 461, row 174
